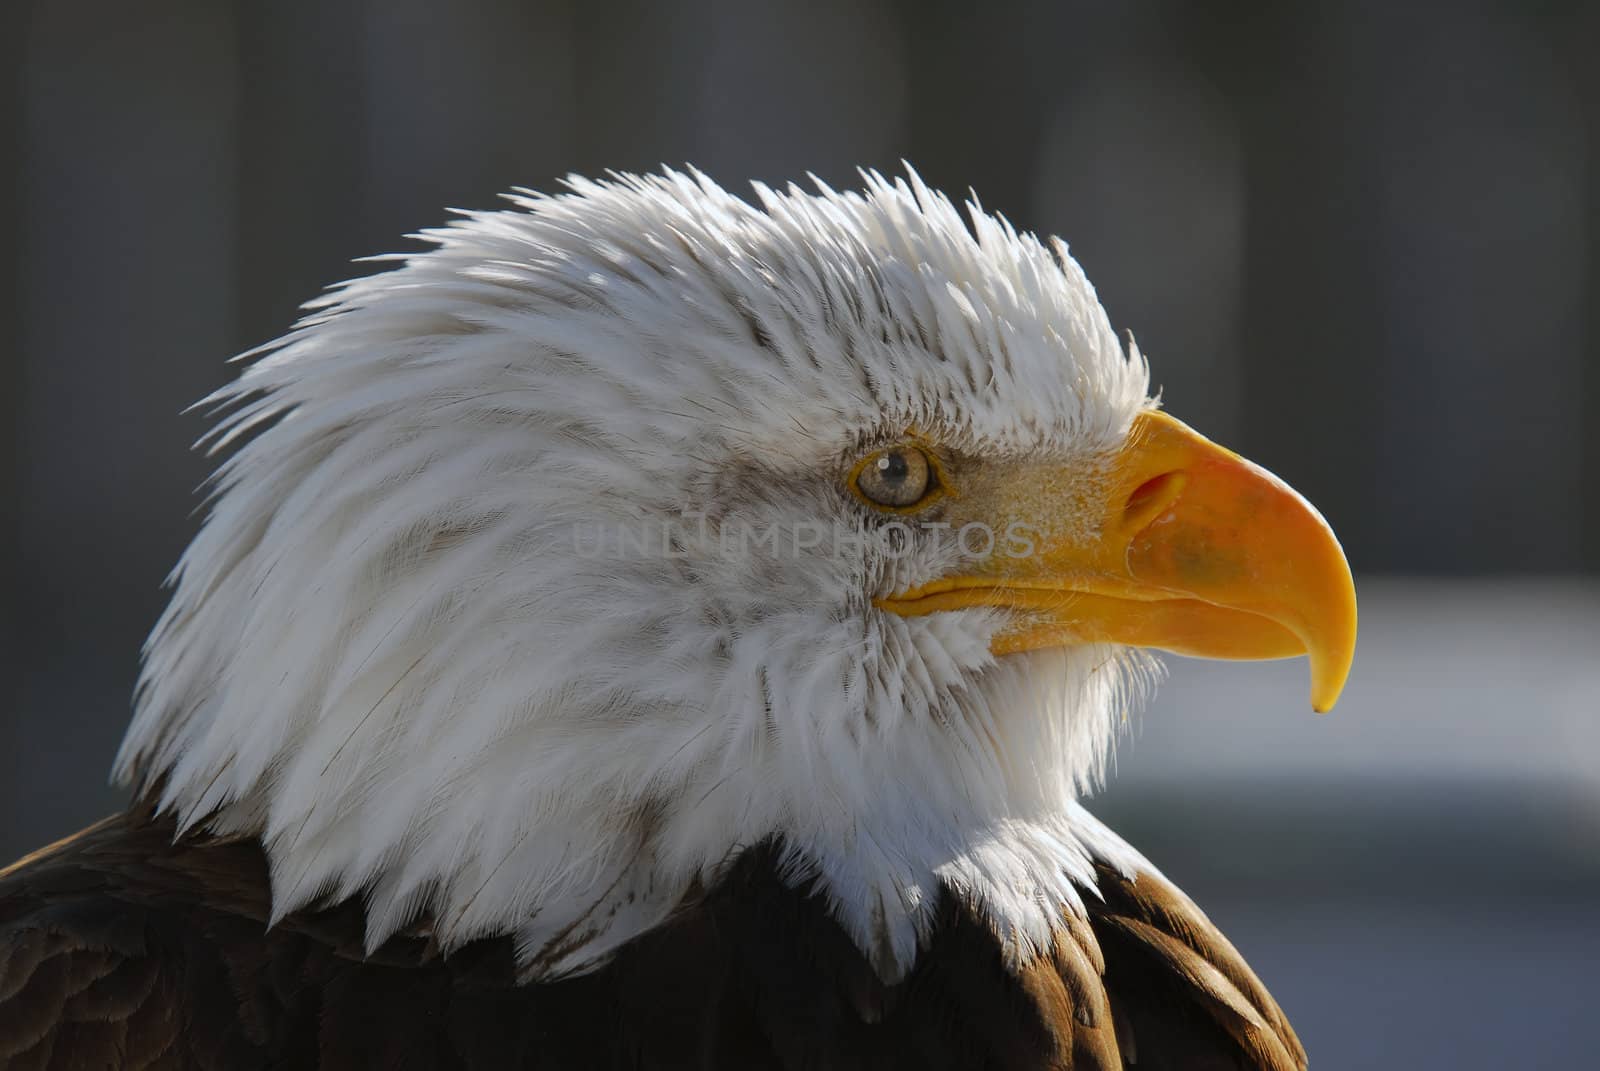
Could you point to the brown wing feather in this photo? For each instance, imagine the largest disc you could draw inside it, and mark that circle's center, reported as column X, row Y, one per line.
column 120, row 948
column 1185, row 996
column 67, row 1001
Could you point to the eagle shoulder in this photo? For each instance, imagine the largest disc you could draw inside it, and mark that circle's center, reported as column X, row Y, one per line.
column 116, row 950
column 1182, row 995
column 79, row 983
column 127, row 947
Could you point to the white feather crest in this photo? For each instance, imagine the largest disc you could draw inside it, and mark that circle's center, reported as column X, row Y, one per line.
column 388, row 655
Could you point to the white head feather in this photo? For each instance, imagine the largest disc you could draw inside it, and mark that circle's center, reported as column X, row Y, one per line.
column 392, row 654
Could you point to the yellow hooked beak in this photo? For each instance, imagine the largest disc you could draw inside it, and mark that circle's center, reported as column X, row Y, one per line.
column 1189, row 548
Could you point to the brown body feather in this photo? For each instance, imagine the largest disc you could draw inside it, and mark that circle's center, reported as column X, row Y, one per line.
column 121, row 949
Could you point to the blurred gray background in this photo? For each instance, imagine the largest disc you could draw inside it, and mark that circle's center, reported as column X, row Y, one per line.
column 1360, row 243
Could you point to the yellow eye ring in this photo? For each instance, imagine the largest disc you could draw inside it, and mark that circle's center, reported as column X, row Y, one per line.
column 897, row 479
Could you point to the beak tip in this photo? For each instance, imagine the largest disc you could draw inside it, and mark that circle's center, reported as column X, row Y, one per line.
column 1325, row 693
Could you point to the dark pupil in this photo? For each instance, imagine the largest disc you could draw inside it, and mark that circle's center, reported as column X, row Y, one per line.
column 893, row 468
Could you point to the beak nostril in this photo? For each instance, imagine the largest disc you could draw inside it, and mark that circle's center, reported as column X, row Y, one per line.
column 1150, row 499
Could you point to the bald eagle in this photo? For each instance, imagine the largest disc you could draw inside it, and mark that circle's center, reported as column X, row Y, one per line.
column 653, row 629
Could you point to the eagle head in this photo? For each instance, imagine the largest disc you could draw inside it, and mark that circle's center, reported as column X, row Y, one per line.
column 627, row 529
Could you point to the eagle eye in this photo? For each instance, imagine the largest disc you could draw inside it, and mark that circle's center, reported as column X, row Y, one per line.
column 897, row 478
